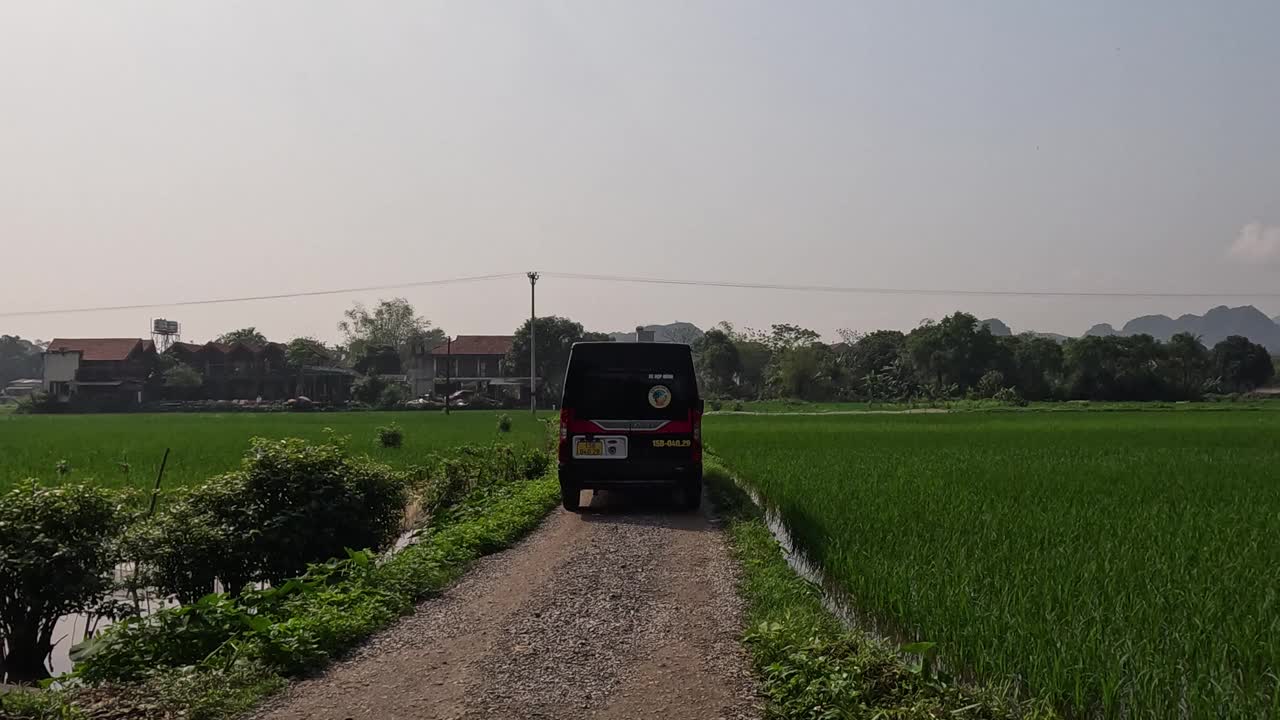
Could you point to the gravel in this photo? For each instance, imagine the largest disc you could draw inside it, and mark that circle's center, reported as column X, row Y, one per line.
column 620, row 612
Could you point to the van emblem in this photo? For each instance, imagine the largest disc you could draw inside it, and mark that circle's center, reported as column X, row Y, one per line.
column 659, row 396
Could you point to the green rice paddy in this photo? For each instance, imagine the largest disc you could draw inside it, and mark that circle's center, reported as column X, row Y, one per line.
column 125, row 450
column 1118, row 564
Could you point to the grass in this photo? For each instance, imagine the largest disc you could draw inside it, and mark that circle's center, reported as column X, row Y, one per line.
column 1117, row 564
column 125, row 450
column 810, row 666
column 801, row 406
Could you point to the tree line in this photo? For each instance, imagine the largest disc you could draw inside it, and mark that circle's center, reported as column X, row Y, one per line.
column 959, row 357
column 955, row 357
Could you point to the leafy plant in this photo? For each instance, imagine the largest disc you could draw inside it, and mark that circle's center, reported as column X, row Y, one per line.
column 504, row 423
column 203, row 657
column 392, row 396
column 390, row 436
column 57, row 552
column 291, row 503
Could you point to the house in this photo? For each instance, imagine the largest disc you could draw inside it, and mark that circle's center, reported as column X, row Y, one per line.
column 108, row 370
column 476, row 362
column 240, row 371
column 20, row 388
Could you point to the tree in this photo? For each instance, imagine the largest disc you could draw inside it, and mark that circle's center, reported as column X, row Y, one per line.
column 392, row 322
column 785, row 336
column 804, row 372
column 873, row 352
column 555, row 336
column 1036, row 364
column 304, row 351
column 181, row 381
column 957, row 350
column 59, row 547
column 247, row 335
column 754, row 358
column 1241, row 364
column 19, row 359
column 1188, row 365
column 717, row 362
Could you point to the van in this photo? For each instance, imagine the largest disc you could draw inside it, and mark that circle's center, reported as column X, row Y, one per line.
column 630, row 416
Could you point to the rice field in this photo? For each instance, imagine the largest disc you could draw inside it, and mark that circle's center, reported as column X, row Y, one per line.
column 125, row 450
column 1117, row 564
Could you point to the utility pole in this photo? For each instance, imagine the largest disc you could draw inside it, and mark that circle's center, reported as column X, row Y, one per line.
column 448, row 371
column 533, row 345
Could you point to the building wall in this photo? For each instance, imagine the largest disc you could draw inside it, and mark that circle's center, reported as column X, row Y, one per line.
column 489, row 366
column 60, row 367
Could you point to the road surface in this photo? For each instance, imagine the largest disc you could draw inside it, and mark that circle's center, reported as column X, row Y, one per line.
column 626, row 611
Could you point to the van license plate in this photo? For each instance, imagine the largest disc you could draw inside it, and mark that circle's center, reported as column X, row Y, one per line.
column 603, row 448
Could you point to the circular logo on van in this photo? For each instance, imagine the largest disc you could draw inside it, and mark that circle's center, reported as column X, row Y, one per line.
column 659, row 396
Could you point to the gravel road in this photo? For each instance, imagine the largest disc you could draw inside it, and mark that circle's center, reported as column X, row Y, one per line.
column 626, row 611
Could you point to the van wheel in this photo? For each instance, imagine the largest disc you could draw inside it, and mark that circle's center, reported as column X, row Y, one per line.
column 692, row 494
column 571, row 497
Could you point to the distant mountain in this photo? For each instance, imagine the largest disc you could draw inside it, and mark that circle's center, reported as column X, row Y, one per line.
column 997, row 327
column 1212, row 327
column 1101, row 330
column 1000, row 328
column 682, row 332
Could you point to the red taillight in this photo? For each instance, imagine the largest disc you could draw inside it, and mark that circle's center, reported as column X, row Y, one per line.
column 565, row 416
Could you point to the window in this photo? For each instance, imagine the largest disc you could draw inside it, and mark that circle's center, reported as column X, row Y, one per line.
column 484, row 369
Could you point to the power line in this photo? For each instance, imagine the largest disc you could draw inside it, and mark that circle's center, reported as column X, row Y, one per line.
column 855, row 290
column 841, row 289
column 248, row 298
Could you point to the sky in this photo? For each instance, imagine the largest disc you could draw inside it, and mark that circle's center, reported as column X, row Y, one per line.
column 153, row 152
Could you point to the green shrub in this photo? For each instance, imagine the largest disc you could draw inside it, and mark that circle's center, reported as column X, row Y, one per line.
column 290, row 504
column 1009, row 396
column 504, row 423
column 38, row 402
column 58, row 548
column 393, row 396
column 715, row 404
column 193, row 653
column 391, row 436
column 737, row 406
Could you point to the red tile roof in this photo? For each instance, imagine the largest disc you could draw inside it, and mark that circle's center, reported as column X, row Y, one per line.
column 477, row 345
column 100, row 349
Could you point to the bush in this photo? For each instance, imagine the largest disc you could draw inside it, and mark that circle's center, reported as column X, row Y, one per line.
column 991, row 382
column 36, row 403
column 716, row 404
column 504, row 423
column 58, row 548
column 297, row 625
column 393, row 396
column 391, row 436
column 1009, row 396
column 737, row 406
column 292, row 503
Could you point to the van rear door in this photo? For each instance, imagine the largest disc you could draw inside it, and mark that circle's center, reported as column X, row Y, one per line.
column 644, row 394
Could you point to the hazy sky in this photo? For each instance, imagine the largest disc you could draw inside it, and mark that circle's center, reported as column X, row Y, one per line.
column 161, row 151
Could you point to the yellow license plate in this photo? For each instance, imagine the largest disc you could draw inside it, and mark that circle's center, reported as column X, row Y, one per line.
column 589, row 447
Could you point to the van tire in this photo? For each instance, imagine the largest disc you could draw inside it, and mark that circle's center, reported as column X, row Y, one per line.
column 692, row 492
column 571, row 496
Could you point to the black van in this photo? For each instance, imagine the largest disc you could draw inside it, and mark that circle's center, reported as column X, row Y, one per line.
column 630, row 416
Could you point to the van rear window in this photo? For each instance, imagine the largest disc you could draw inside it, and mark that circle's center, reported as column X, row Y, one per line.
column 623, row 382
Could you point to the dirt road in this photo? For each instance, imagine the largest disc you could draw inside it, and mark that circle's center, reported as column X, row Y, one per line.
column 625, row 611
